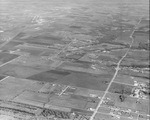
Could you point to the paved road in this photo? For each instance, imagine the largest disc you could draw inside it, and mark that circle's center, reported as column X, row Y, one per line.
column 117, row 70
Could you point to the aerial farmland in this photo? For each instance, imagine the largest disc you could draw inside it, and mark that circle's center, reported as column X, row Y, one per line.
column 74, row 60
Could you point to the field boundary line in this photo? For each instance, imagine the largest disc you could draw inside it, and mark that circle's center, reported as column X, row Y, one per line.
column 4, row 78
column 9, row 61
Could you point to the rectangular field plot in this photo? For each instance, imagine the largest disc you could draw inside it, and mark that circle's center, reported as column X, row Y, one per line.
column 52, row 89
column 108, row 58
column 146, row 22
column 113, row 100
column 118, row 53
column 120, row 88
column 10, row 87
column 124, row 36
column 42, row 39
column 126, row 79
column 138, row 55
column 143, row 24
column 136, row 59
column 77, row 79
column 66, row 101
column 140, row 37
column 75, row 56
column 135, row 73
column 5, row 57
column 36, row 62
column 73, row 102
column 49, row 53
column 112, row 55
column 144, row 33
column 79, row 63
column 10, row 45
column 18, row 70
column 36, row 50
column 100, row 56
column 120, row 111
column 32, row 98
column 94, row 82
column 134, row 64
column 86, row 67
column 30, row 50
column 103, row 116
column 49, row 76
column 81, row 69
column 84, row 92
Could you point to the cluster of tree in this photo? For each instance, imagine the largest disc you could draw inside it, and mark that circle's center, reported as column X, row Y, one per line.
column 123, row 90
column 57, row 114
column 140, row 66
column 136, row 66
column 147, row 92
column 122, row 97
column 16, row 111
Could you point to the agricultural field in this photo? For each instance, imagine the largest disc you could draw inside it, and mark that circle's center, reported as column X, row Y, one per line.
column 126, row 79
column 77, row 79
column 74, row 60
column 124, row 36
column 14, row 86
column 44, row 39
column 35, row 62
column 140, row 37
